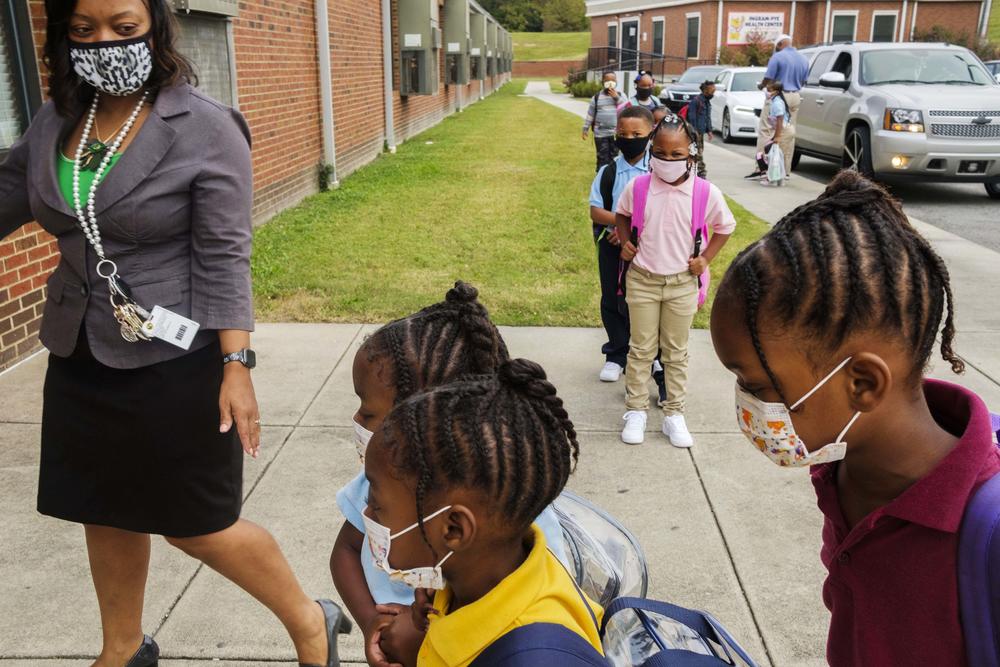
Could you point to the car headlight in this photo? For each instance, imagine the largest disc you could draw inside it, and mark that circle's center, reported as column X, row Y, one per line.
column 743, row 109
column 904, row 120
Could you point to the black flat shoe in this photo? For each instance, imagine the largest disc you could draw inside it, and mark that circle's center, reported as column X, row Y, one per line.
column 336, row 624
column 148, row 654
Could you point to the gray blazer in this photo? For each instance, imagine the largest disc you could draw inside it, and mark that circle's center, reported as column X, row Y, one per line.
column 174, row 214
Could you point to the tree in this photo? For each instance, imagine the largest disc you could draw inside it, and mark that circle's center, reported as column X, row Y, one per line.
column 564, row 16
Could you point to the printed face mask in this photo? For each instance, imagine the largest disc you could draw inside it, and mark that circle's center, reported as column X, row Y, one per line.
column 380, row 540
column 769, row 427
column 362, row 437
column 669, row 170
column 631, row 148
column 117, row 68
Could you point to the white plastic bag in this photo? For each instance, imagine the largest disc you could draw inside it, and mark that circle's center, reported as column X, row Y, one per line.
column 776, row 165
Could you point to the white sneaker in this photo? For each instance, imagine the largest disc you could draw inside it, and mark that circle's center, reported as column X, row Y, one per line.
column 635, row 427
column 675, row 428
column 611, row 372
column 657, row 366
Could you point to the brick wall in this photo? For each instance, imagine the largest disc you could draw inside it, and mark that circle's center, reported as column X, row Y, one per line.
column 958, row 16
column 277, row 81
column 546, row 68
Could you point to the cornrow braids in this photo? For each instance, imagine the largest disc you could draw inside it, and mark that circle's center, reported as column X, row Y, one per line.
column 674, row 123
column 506, row 435
column 847, row 262
column 441, row 343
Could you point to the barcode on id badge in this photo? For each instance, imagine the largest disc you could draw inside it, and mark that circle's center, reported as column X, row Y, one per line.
column 180, row 332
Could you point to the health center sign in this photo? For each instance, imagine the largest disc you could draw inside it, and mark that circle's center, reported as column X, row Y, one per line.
column 744, row 25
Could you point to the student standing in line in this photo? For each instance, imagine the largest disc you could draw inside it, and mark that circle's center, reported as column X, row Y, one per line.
column 644, row 96
column 828, row 323
column 663, row 281
column 699, row 115
column 602, row 118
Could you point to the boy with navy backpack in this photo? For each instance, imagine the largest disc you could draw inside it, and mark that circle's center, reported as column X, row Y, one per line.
column 631, row 138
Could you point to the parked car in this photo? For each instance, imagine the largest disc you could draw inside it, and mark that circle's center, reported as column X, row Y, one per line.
column 994, row 67
column 738, row 102
column 926, row 111
column 678, row 93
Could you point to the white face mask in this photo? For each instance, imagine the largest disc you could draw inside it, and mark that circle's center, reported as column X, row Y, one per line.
column 769, row 427
column 380, row 540
column 668, row 171
column 362, row 437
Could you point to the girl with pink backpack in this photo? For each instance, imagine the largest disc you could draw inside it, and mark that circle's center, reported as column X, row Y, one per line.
column 667, row 215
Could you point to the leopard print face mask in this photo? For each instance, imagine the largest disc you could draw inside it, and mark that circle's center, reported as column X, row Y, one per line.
column 117, row 68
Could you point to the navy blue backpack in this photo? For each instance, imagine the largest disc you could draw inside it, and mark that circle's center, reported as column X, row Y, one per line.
column 979, row 571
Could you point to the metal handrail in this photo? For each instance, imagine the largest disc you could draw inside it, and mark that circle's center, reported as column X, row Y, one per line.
column 611, row 58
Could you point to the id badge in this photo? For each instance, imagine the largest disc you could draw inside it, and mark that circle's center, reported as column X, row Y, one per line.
column 170, row 327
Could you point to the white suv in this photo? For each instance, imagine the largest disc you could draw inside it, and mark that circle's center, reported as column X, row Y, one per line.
column 927, row 111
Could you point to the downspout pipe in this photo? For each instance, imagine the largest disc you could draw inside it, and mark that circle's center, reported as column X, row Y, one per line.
column 326, row 89
column 390, row 125
column 718, row 33
column 826, row 22
column 984, row 26
column 902, row 23
column 791, row 22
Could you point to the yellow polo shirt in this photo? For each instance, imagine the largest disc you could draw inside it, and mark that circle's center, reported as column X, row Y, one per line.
column 539, row 591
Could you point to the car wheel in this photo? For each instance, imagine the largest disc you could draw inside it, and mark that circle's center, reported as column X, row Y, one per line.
column 993, row 190
column 727, row 127
column 858, row 151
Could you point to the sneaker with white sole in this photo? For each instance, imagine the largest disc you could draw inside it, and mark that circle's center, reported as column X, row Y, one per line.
column 675, row 428
column 611, row 372
column 635, row 427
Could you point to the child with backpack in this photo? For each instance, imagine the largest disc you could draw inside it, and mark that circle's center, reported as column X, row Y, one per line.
column 663, row 220
column 699, row 115
column 457, row 476
column 602, row 118
column 439, row 344
column 828, row 323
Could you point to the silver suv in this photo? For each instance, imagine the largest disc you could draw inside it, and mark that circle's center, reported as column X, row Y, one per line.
column 926, row 111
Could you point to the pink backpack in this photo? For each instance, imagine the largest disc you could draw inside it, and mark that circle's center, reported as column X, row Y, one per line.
column 699, row 227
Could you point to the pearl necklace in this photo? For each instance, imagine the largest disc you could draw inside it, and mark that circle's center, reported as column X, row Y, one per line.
column 130, row 315
column 88, row 222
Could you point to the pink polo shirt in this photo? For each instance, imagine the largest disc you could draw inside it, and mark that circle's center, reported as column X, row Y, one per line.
column 667, row 243
column 892, row 587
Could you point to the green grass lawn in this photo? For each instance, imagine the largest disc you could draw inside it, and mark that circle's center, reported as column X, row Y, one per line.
column 496, row 195
column 551, row 45
column 556, row 85
column 994, row 32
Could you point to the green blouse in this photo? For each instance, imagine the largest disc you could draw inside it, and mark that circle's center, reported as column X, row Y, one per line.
column 65, row 173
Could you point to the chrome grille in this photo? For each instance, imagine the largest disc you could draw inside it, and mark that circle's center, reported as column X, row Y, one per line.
column 991, row 131
column 964, row 113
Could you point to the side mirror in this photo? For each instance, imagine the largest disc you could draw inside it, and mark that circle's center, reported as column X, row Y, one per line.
column 997, row 77
column 834, row 80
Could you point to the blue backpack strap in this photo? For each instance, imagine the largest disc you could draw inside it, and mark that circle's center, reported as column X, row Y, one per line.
column 979, row 575
column 540, row 645
column 701, row 622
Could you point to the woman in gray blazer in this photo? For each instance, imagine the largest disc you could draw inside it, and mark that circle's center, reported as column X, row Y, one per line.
column 146, row 184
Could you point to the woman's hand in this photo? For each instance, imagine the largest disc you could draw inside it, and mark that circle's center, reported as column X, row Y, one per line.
column 238, row 405
column 697, row 265
column 628, row 251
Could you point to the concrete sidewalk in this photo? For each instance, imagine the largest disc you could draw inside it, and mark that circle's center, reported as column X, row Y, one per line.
column 723, row 528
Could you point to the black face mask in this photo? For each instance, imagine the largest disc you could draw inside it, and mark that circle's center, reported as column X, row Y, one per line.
column 708, row 97
column 631, row 148
column 643, row 93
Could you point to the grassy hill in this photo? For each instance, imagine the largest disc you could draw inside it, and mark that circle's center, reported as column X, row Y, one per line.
column 995, row 23
column 551, row 45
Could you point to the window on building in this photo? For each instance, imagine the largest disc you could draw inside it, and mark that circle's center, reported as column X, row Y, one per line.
column 693, row 36
column 884, row 27
column 844, row 27
column 206, row 41
column 19, row 88
column 613, row 34
column 818, row 68
column 658, row 37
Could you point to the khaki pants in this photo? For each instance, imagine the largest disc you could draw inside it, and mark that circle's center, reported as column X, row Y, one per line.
column 765, row 131
column 764, row 128
column 661, row 309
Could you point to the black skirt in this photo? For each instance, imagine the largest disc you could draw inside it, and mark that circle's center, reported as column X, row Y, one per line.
column 139, row 449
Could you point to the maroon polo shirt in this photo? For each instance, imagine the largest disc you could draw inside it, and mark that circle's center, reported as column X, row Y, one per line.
column 892, row 587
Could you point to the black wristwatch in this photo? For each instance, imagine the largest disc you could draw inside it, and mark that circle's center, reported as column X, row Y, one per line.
column 246, row 356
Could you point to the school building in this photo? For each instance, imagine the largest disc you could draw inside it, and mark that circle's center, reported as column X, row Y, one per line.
column 325, row 85
column 695, row 30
